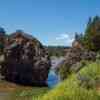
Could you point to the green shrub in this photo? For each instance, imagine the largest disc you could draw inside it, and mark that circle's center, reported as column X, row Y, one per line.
column 98, row 56
column 70, row 89
column 64, row 71
column 89, row 75
column 91, row 70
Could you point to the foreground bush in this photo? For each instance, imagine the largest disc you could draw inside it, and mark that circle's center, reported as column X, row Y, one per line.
column 89, row 76
column 71, row 89
column 65, row 70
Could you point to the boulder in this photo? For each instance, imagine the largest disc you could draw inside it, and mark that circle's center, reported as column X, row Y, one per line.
column 26, row 60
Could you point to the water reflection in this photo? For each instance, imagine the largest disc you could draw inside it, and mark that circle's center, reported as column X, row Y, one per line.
column 53, row 78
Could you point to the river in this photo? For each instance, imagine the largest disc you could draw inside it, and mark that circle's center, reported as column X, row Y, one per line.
column 53, row 78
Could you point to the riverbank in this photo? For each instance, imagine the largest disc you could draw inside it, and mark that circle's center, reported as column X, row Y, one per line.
column 11, row 91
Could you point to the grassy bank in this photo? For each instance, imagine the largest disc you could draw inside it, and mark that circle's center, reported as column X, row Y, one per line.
column 74, row 88
column 10, row 91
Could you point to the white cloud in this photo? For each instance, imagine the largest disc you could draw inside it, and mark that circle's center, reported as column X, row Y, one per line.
column 62, row 36
column 64, row 39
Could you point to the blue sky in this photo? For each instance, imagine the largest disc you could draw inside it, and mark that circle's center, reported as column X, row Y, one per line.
column 53, row 22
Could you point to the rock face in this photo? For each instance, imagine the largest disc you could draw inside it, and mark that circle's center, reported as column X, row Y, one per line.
column 26, row 60
column 76, row 55
column 73, row 58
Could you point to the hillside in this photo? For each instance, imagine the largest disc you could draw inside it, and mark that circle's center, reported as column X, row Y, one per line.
column 73, row 88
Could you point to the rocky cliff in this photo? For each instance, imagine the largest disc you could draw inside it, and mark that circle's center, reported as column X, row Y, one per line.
column 26, row 61
column 75, row 58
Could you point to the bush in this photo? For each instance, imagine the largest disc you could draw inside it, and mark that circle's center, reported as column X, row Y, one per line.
column 90, row 75
column 64, row 71
column 98, row 56
column 70, row 89
column 92, row 70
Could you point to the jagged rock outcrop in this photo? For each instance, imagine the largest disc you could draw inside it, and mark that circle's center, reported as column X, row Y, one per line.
column 75, row 55
column 73, row 58
column 26, row 60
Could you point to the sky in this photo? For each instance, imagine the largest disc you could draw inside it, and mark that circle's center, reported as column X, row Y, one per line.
column 52, row 22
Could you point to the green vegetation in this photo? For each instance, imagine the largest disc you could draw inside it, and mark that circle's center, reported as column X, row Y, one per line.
column 56, row 50
column 75, row 87
column 83, row 85
column 91, row 38
column 10, row 91
column 90, row 42
column 91, row 73
column 28, row 93
column 64, row 71
column 71, row 89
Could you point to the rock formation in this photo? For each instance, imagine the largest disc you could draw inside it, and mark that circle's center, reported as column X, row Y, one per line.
column 74, row 56
column 26, row 60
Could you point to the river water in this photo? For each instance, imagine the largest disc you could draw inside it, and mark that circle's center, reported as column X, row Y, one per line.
column 53, row 77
